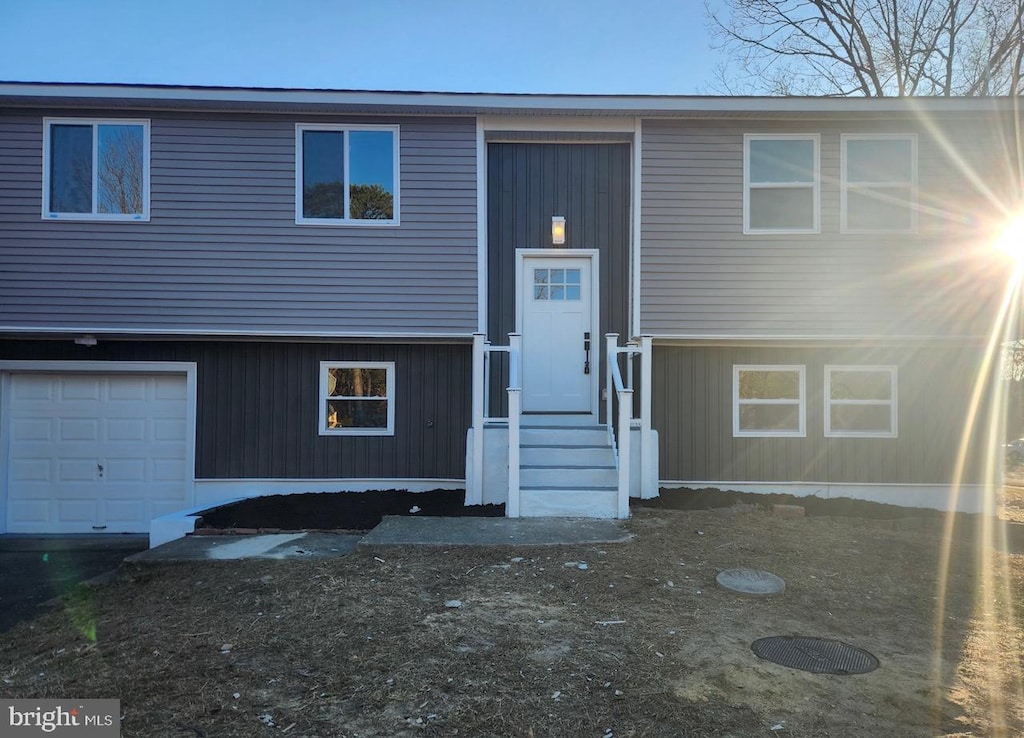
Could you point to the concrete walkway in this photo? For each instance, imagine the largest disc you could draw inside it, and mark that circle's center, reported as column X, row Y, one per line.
column 471, row 531
column 313, row 544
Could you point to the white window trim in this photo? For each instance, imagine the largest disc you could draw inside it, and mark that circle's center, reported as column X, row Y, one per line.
column 801, row 431
column 845, row 185
column 95, row 122
column 815, row 182
column 345, row 128
column 893, row 402
column 390, row 381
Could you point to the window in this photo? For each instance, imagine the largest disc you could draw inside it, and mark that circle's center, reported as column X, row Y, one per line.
column 768, row 400
column 95, row 169
column 556, row 284
column 346, row 175
column 879, row 183
column 357, row 398
column 780, row 174
column 860, row 401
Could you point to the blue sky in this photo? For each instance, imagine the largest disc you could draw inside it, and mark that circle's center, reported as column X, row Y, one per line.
column 567, row 46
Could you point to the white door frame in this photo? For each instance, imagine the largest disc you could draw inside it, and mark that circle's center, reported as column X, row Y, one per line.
column 596, row 341
column 7, row 368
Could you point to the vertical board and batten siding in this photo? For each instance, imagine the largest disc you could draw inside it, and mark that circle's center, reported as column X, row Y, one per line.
column 222, row 252
column 257, row 406
column 701, row 276
column 693, row 413
column 528, row 183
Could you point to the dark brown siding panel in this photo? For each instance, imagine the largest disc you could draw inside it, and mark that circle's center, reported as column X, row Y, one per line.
column 257, row 406
column 528, row 183
column 693, row 416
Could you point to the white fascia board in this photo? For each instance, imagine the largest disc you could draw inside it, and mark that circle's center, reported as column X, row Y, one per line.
column 482, row 102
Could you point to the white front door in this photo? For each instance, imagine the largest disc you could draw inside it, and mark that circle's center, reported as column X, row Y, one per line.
column 557, row 322
column 92, row 453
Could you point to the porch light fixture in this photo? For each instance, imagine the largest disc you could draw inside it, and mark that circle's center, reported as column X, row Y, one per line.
column 558, row 230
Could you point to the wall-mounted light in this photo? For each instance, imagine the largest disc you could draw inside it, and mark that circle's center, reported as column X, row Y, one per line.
column 86, row 340
column 558, row 230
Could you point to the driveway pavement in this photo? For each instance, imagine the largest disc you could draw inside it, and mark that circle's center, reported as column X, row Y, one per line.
column 35, row 569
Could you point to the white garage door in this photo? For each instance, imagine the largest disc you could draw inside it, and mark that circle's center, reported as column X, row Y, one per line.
column 95, row 453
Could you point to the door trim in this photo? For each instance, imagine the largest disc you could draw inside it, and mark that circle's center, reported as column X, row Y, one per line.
column 596, row 338
column 186, row 368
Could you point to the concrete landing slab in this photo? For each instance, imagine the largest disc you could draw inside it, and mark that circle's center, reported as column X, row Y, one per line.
column 472, row 531
column 275, row 546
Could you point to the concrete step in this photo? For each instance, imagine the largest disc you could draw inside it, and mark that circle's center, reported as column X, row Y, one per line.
column 567, row 476
column 563, row 436
column 567, row 502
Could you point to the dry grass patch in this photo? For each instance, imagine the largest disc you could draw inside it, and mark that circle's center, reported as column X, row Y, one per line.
column 627, row 639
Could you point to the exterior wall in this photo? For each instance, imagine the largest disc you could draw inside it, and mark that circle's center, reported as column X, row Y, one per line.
column 528, row 183
column 257, row 406
column 693, row 414
column 222, row 252
column 701, row 276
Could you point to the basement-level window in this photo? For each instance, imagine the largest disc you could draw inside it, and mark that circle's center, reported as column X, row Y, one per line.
column 346, row 175
column 95, row 169
column 357, row 398
column 780, row 175
column 860, row 401
column 879, row 183
column 768, row 400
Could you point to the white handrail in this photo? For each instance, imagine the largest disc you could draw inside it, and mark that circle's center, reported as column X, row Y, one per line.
column 619, row 429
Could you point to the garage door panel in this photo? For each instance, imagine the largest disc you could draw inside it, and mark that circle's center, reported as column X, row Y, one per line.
column 86, row 387
column 64, row 427
column 126, row 429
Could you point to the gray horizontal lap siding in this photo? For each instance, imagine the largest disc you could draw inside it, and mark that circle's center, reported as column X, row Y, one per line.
column 222, row 251
column 702, row 276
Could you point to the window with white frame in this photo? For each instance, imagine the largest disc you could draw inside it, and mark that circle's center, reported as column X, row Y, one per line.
column 860, row 401
column 768, row 400
column 879, row 183
column 357, row 398
column 95, row 169
column 780, row 175
column 346, row 175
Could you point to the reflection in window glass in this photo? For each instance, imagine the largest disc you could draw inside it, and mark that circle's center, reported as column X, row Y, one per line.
column 323, row 172
column 861, row 401
column 878, row 183
column 96, row 169
column 371, row 162
column 556, row 284
column 357, row 397
column 781, row 183
column 70, row 169
column 768, row 400
column 347, row 174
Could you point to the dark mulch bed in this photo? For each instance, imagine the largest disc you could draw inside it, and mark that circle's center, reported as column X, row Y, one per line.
column 341, row 510
column 364, row 510
column 710, row 498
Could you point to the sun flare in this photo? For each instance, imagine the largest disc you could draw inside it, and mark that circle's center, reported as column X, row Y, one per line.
column 1010, row 240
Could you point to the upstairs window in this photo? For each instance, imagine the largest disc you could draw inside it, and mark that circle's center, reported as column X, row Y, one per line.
column 780, row 173
column 768, row 400
column 860, row 401
column 346, row 175
column 357, row 398
column 96, row 169
column 879, row 183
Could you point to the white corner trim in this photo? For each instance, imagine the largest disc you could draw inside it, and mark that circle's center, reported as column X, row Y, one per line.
column 481, row 228
column 966, row 498
column 636, row 205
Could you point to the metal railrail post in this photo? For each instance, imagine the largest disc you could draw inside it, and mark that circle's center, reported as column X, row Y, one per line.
column 648, row 476
column 515, row 392
column 475, row 487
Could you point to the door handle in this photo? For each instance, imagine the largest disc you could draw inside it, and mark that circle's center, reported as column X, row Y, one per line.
column 586, row 351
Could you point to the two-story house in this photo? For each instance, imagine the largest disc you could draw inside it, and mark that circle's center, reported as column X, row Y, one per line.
column 208, row 293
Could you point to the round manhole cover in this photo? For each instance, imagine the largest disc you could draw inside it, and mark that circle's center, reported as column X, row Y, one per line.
column 751, row 581
column 816, row 655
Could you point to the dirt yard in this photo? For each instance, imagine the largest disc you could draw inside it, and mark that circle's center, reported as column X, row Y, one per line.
column 630, row 639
